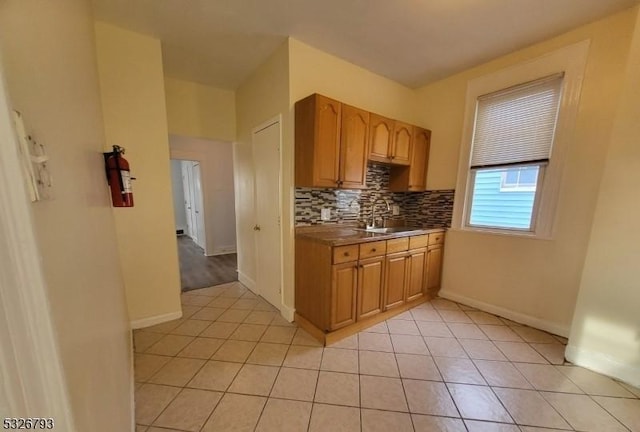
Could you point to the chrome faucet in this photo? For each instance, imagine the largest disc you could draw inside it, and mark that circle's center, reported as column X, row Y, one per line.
column 374, row 222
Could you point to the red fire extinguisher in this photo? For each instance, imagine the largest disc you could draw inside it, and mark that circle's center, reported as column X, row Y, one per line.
column 119, row 177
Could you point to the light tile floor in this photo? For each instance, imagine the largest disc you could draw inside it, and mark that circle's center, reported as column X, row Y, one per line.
column 233, row 364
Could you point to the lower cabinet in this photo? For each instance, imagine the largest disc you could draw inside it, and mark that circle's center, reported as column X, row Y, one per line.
column 370, row 272
column 434, row 268
column 337, row 286
column 344, row 278
column 404, row 277
column 416, row 266
column 395, row 279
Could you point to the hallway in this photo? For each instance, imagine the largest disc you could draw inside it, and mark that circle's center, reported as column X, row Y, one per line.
column 200, row 271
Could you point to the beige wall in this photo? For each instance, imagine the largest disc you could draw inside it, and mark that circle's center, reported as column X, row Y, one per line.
column 133, row 103
column 216, row 166
column 264, row 95
column 605, row 334
column 49, row 59
column 314, row 71
column 200, row 111
column 537, row 279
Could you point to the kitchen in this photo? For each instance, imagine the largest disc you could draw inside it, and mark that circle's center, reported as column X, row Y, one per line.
column 575, row 280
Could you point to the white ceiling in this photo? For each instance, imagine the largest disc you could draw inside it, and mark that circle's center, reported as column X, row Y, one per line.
column 220, row 42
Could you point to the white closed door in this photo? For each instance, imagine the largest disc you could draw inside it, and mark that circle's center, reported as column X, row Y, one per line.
column 266, row 157
column 198, row 207
column 188, row 205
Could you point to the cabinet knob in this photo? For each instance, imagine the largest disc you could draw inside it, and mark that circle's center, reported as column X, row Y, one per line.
column 373, row 250
column 346, row 254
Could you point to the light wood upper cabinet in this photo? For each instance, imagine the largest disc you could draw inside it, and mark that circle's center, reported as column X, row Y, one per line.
column 343, row 295
column 354, row 134
column 370, row 272
column 402, row 143
column 334, row 142
column 413, row 177
column 330, row 143
column 390, row 141
column 380, row 138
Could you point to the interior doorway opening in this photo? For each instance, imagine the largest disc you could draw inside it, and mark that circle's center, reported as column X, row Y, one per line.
column 204, row 211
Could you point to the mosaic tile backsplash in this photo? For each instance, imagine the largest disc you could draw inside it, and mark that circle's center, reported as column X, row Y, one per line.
column 430, row 208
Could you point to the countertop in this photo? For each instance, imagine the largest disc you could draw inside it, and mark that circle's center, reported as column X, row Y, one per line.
column 337, row 235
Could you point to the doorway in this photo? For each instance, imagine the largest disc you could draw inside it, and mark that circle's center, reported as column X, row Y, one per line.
column 204, row 210
column 266, row 156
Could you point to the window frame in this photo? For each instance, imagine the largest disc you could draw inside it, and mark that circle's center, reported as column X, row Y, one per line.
column 536, row 198
column 571, row 60
column 517, row 187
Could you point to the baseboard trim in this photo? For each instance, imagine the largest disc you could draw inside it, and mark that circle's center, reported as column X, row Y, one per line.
column 518, row 317
column 604, row 364
column 247, row 281
column 223, row 251
column 288, row 313
column 158, row 319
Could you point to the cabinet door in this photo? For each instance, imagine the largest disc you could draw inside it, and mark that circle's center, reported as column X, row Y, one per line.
column 419, row 159
column 380, row 138
column 343, row 295
column 326, row 156
column 370, row 277
column 416, row 274
column 353, row 148
column 434, row 268
column 402, row 142
column 395, row 280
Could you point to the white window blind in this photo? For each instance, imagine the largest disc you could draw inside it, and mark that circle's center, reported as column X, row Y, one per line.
column 516, row 125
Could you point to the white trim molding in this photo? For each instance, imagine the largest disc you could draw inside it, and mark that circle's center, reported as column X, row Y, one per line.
column 604, row 364
column 223, row 250
column 570, row 60
column 157, row 319
column 548, row 326
column 287, row 312
column 34, row 382
column 247, row 281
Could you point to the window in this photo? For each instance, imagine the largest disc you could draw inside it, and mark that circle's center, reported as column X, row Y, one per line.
column 513, row 137
column 517, row 133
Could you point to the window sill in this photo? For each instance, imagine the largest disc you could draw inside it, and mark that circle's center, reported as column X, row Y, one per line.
column 505, row 233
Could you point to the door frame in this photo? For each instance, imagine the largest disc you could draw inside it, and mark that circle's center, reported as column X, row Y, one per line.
column 188, row 156
column 270, row 122
column 29, row 357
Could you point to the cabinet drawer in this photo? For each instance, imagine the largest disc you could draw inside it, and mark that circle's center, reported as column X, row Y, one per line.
column 398, row 245
column 420, row 241
column 436, row 238
column 373, row 249
column 344, row 254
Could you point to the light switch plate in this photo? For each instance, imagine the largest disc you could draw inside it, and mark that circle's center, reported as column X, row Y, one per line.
column 325, row 214
column 395, row 209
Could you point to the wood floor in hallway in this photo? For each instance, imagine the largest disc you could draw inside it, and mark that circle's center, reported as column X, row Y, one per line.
column 199, row 271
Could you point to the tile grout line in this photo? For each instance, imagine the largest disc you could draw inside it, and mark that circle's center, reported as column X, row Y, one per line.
column 315, row 391
column 404, row 390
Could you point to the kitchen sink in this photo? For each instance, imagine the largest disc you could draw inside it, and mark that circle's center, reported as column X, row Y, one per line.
column 390, row 230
